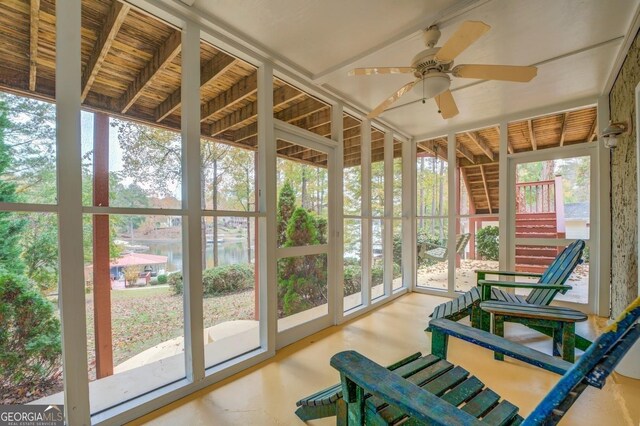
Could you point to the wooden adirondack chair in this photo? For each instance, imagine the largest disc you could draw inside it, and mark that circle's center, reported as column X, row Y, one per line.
column 549, row 284
column 437, row 393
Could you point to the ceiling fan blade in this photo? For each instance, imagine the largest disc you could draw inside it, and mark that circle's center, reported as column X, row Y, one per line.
column 496, row 72
column 464, row 37
column 381, row 70
column 391, row 99
column 446, row 104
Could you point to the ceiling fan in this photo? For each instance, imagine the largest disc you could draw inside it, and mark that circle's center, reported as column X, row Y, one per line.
column 432, row 66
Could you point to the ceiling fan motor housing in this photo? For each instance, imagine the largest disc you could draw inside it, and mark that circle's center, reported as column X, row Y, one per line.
column 425, row 62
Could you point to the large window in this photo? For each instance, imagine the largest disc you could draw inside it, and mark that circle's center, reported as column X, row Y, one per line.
column 432, row 208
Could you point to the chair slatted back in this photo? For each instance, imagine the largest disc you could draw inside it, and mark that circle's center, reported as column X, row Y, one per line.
column 593, row 367
column 557, row 273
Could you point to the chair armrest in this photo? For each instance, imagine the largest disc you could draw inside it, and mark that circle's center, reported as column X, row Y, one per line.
column 395, row 390
column 492, row 283
column 500, row 345
column 508, row 273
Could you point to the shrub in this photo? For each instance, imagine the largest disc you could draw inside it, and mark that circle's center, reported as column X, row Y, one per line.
column 352, row 279
column 227, row 279
column 488, row 243
column 219, row 280
column 162, row 279
column 30, row 346
column 175, row 282
column 153, row 281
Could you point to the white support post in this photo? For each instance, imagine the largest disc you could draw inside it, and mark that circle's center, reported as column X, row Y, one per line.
column 409, row 214
column 69, row 174
column 387, row 239
column 601, row 249
column 336, row 292
column 365, row 137
column 267, row 204
column 191, row 202
column 451, row 216
column 504, row 205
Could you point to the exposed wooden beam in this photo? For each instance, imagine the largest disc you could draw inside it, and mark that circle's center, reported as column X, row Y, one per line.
column 281, row 96
column 480, row 160
column 593, row 130
column 481, row 144
column 532, row 137
column 509, row 146
column 217, row 66
column 467, row 185
column 240, row 91
column 300, row 110
column 160, row 60
column 312, row 121
column 110, row 27
column 34, row 25
column 434, row 148
column 466, row 153
column 563, row 132
column 486, row 189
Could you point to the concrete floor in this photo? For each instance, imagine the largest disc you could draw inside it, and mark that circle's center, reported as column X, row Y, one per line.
column 266, row 394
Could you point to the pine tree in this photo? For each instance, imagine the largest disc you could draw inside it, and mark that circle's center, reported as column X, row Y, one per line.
column 10, row 227
column 286, row 206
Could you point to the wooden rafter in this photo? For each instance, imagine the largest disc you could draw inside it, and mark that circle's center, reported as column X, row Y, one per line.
column 240, row 91
column 434, row 148
column 466, row 153
column 300, row 110
column 281, row 96
column 467, row 185
column 532, row 138
column 509, row 145
column 563, row 132
column 112, row 23
column 486, row 188
column 34, row 25
column 160, row 60
column 481, row 160
column 593, row 130
column 481, row 144
column 216, row 67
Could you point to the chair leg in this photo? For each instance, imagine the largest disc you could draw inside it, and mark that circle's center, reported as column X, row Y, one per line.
column 557, row 339
column 569, row 342
column 498, row 330
column 439, row 344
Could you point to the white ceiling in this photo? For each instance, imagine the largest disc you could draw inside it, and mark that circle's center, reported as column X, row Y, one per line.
column 576, row 42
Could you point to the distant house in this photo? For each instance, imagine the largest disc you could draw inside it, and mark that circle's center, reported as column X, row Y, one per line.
column 152, row 263
column 576, row 217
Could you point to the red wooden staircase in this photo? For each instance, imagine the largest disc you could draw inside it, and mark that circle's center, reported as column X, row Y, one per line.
column 539, row 214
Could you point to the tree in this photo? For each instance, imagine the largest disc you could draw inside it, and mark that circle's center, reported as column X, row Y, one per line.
column 131, row 274
column 302, row 279
column 30, row 136
column 286, row 206
column 10, row 227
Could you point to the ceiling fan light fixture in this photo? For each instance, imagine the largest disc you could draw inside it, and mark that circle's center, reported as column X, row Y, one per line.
column 432, row 84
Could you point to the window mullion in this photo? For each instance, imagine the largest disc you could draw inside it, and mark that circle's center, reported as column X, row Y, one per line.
column 69, row 173
column 192, row 226
column 365, row 148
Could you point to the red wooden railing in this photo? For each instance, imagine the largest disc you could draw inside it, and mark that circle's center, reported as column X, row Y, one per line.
column 542, row 197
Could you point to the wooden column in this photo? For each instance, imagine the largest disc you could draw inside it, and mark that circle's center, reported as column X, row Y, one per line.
column 458, row 203
column 101, row 273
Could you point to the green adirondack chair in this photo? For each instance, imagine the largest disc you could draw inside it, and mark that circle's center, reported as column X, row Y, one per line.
column 431, row 391
column 549, row 284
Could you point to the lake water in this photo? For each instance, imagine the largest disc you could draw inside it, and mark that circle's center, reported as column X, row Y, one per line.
column 230, row 251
